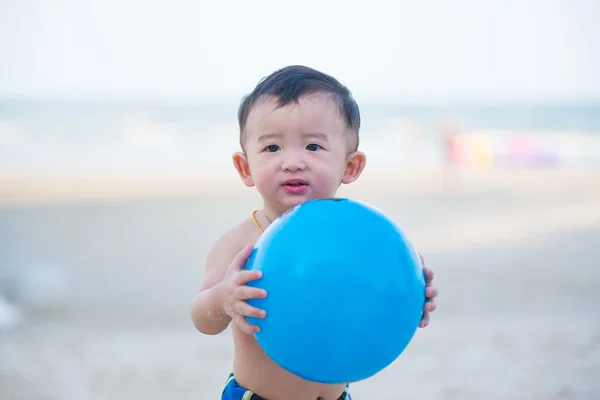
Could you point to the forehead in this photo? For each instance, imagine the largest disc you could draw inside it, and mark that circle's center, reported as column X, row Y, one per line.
column 313, row 113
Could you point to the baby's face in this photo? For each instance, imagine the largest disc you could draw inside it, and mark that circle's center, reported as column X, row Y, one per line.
column 298, row 152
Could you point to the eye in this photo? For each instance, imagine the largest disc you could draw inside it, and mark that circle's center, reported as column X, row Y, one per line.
column 272, row 148
column 313, row 147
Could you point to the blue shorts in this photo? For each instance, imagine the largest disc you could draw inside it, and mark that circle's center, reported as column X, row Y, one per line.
column 233, row 391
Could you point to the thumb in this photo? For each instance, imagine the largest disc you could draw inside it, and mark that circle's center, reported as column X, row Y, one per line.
column 240, row 258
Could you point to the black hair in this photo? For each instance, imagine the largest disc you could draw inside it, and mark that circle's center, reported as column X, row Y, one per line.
column 288, row 84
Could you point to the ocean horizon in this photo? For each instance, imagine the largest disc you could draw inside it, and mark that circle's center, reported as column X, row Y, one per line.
column 41, row 136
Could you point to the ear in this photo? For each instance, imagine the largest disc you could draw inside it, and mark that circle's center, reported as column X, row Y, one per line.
column 355, row 164
column 240, row 162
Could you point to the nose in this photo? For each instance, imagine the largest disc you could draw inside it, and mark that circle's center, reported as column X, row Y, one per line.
column 293, row 162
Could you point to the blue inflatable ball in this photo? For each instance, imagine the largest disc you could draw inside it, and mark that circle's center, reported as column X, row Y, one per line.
column 345, row 291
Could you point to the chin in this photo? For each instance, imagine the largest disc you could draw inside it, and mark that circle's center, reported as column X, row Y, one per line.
column 294, row 203
column 287, row 201
column 287, row 204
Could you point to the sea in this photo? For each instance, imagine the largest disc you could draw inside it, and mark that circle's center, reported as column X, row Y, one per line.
column 41, row 137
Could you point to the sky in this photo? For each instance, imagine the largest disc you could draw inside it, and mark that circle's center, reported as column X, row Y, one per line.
column 511, row 49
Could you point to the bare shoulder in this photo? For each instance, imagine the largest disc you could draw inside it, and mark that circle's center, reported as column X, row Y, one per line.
column 224, row 250
column 230, row 243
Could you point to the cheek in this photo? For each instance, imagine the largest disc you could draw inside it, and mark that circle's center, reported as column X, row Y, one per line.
column 337, row 164
column 331, row 169
column 261, row 170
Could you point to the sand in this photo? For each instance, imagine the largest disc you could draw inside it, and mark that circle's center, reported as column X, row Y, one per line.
column 516, row 257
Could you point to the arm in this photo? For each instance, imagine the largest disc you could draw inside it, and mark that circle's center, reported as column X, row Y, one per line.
column 208, row 311
column 224, row 292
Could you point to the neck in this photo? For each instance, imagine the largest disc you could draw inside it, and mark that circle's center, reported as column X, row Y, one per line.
column 270, row 214
column 267, row 217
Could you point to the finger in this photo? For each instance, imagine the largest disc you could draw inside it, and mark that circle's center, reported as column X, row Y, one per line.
column 247, row 310
column 424, row 320
column 431, row 292
column 429, row 306
column 428, row 274
column 240, row 258
column 422, row 259
column 243, row 277
column 247, row 292
column 244, row 325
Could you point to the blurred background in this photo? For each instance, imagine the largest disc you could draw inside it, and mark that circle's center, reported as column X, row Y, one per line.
column 481, row 122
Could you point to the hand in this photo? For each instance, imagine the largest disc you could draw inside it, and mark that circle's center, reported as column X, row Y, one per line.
column 430, row 295
column 236, row 292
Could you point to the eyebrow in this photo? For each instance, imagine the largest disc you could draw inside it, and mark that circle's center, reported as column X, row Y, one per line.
column 270, row 136
column 317, row 135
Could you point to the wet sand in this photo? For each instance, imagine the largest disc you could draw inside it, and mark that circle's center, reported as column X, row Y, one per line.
column 516, row 257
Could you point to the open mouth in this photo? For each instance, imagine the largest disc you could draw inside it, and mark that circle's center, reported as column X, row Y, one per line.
column 295, row 182
column 295, row 185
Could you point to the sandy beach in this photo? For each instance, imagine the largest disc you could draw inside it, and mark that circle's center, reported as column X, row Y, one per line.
column 516, row 257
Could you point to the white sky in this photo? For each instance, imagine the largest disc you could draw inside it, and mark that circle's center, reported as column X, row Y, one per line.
column 493, row 49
